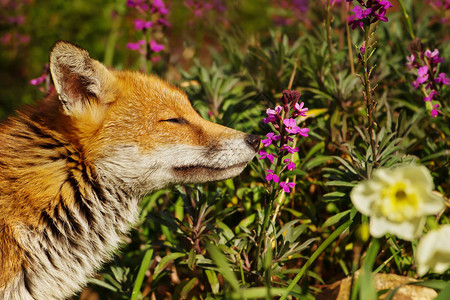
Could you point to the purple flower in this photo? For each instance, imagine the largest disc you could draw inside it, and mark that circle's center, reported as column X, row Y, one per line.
column 269, row 119
column 423, row 76
column 435, row 59
column 275, row 111
column 434, row 111
column 155, row 46
column 300, row 110
column 264, row 154
column 272, row 176
column 410, row 61
column 386, row 4
column 141, row 24
column 39, row 80
column 303, row 132
column 287, row 185
column 271, row 137
column 290, row 165
column 289, row 149
column 442, row 79
column 136, row 46
column 430, row 96
column 160, row 6
column 291, row 126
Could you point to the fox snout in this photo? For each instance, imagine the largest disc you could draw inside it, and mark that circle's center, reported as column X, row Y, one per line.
column 253, row 141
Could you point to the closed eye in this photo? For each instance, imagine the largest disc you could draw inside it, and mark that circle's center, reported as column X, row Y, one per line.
column 180, row 121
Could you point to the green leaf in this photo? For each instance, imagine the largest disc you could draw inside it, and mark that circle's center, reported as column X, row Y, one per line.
column 145, row 264
column 103, row 284
column 445, row 293
column 221, row 262
column 258, row 293
column 165, row 261
column 213, row 281
column 188, row 287
column 366, row 284
column 335, row 219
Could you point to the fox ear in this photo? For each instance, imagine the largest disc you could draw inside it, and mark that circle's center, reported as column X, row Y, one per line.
column 76, row 76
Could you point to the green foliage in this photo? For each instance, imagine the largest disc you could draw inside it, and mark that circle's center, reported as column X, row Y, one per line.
column 223, row 240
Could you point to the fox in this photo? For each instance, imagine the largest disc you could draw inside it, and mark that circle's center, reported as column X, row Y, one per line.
column 74, row 166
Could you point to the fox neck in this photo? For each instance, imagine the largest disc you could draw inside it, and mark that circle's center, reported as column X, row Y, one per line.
column 74, row 232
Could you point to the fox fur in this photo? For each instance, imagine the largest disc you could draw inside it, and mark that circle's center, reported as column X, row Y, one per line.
column 74, row 167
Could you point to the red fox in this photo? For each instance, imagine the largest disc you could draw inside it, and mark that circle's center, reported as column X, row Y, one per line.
column 73, row 168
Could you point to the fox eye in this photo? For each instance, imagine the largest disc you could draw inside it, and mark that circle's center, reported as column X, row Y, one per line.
column 180, row 121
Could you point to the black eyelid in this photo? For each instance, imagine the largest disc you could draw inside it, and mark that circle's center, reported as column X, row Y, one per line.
column 180, row 121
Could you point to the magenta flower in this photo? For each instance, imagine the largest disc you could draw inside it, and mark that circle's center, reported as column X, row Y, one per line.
column 290, row 165
column 300, row 110
column 141, row 24
column 271, row 137
column 155, row 46
column 287, row 185
column 434, row 111
column 442, row 79
column 136, row 46
column 289, row 149
column 303, row 132
column 272, row 176
column 410, row 61
column 264, row 154
column 160, row 6
column 291, row 126
column 269, row 119
column 39, row 80
column 423, row 76
column 275, row 111
column 430, row 96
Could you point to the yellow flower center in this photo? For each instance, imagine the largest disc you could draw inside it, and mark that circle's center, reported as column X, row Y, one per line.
column 400, row 202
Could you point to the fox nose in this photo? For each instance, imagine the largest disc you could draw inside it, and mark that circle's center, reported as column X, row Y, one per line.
column 253, row 141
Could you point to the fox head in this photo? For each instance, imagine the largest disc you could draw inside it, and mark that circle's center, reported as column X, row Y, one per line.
column 139, row 131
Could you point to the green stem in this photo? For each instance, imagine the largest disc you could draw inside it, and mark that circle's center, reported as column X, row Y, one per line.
column 315, row 255
column 370, row 102
column 407, row 19
column 330, row 45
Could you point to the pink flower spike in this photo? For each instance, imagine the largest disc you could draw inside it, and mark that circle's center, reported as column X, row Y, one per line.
column 287, row 185
column 155, row 46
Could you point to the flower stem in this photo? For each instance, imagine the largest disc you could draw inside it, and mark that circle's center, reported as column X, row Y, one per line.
column 369, row 101
column 349, row 40
column 407, row 19
column 330, row 45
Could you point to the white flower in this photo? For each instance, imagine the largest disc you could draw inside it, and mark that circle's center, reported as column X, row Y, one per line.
column 397, row 200
column 433, row 251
